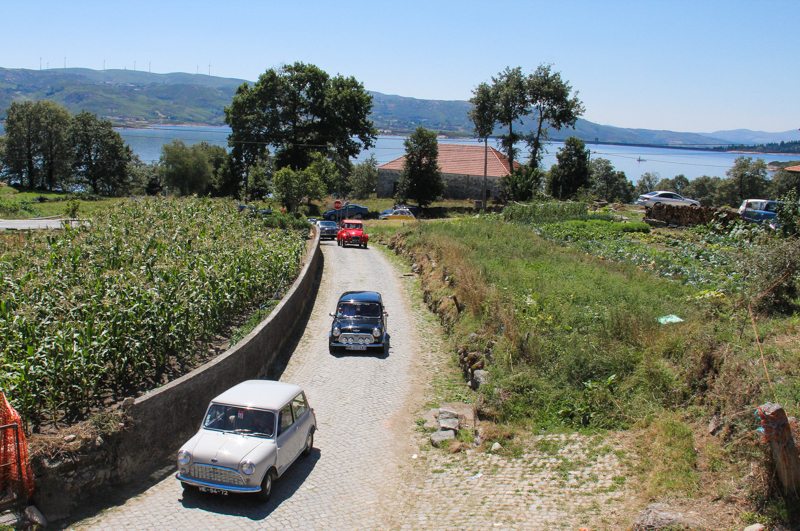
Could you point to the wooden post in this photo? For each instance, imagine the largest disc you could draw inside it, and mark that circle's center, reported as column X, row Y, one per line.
column 777, row 431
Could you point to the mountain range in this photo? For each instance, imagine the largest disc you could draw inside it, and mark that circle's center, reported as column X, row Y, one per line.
column 133, row 98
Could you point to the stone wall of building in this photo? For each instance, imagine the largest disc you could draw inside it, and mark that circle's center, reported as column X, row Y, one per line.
column 459, row 186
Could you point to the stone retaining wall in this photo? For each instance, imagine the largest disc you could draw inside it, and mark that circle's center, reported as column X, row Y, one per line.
column 159, row 422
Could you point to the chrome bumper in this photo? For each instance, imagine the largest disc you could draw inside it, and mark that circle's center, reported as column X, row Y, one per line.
column 219, row 486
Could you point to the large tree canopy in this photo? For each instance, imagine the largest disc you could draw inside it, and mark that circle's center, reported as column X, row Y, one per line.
column 299, row 110
column 554, row 106
column 421, row 178
column 571, row 174
column 101, row 156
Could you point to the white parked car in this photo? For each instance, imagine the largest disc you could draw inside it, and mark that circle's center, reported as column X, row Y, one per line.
column 250, row 436
column 667, row 198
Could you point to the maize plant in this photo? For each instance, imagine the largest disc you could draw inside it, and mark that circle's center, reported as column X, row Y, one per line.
column 89, row 312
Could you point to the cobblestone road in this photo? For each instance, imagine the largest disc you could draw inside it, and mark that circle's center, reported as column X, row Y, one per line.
column 372, row 467
column 359, row 401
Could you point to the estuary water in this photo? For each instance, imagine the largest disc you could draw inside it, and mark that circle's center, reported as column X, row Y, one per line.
column 633, row 160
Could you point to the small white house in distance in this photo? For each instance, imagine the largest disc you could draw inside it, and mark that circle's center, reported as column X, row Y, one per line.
column 462, row 170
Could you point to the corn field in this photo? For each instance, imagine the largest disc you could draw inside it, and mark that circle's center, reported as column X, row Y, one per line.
column 88, row 312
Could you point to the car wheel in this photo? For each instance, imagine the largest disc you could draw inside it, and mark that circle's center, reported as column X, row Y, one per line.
column 266, row 487
column 656, row 204
column 332, row 349
column 309, row 443
column 358, row 216
column 187, row 487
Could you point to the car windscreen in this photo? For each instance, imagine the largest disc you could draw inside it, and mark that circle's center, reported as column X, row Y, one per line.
column 358, row 309
column 329, row 224
column 353, row 225
column 240, row 420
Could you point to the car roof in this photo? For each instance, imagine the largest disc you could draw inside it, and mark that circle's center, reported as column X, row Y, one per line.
column 360, row 296
column 352, row 221
column 263, row 394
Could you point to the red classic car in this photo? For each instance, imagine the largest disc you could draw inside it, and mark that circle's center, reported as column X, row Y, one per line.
column 352, row 233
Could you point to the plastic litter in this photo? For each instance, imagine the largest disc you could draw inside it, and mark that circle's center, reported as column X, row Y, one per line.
column 670, row 319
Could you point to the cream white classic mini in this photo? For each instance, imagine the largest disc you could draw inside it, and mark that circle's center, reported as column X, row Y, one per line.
column 250, row 436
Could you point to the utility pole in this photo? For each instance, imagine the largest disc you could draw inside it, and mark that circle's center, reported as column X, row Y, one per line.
column 209, row 69
column 134, row 66
column 40, row 63
column 148, row 66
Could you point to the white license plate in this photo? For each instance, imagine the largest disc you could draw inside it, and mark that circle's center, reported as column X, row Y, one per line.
column 356, row 347
column 213, row 491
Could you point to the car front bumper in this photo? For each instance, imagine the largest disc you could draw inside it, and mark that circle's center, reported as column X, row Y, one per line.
column 189, row 480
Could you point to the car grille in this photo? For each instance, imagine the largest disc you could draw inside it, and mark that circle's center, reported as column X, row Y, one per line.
column 356, row 239
column 216, row 474
column 355, row 339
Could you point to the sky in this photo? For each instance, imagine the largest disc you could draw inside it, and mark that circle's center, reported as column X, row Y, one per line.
column 689, row 66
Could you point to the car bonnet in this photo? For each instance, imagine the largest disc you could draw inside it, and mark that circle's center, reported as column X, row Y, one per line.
column 225, row 448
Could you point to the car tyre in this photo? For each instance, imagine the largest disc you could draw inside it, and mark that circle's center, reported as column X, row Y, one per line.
column 266, row 487
column 358, row 216
column 332, row 349
column 309, row 443
column 187, row 487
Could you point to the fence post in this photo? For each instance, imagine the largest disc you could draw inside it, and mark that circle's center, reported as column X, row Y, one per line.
column 777, row 431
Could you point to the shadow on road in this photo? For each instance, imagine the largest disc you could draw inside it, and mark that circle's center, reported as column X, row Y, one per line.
column 275, row 371
column 248, row 506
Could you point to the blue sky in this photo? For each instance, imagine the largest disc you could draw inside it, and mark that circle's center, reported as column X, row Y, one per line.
column 698, row 66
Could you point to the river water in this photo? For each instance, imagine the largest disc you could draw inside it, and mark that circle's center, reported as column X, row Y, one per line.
column 633, row 160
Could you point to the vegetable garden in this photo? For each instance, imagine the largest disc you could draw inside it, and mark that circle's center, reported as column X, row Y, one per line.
column 89, row 314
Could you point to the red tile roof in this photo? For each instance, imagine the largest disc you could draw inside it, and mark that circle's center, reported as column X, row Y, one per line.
column 464, row 160
column 793, row 168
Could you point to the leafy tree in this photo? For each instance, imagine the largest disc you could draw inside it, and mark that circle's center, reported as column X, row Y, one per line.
column 327, row 172
column 293, row 186
column 785, row 181
column 510, row 97
column 483, row 115
column 421, row 178
column 54, row 144
column 680, row 183
column 101, row 156
column 703, row 189
column 299, row 110
column 554, row 106
column 525, row 184
column 185, row 168
column 2, row 154
column 571, row 174
column 37, row 149
column 609, row 184
column 647, row 182
column 144, row 178
column 364, row 178
column 750, row 178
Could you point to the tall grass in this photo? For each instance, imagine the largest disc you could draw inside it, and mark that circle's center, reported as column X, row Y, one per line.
column 551, row 212
column 92, row 311
column 572, row 338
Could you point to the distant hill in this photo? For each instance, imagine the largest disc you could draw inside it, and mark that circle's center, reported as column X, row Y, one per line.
column 746, row 136
column 134, row 98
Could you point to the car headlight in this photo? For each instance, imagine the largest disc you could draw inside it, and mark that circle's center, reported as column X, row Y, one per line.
column 248, row 467
column 376, row 332
column 184, row 457
column 336, row 331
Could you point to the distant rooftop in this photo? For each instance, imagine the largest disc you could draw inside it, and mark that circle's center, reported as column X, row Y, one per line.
column 793, row 168
column 464, row 160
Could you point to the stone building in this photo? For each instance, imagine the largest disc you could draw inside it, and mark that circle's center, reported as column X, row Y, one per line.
column 462, row 170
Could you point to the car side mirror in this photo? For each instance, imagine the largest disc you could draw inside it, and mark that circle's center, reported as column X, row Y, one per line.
column 331, row 314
